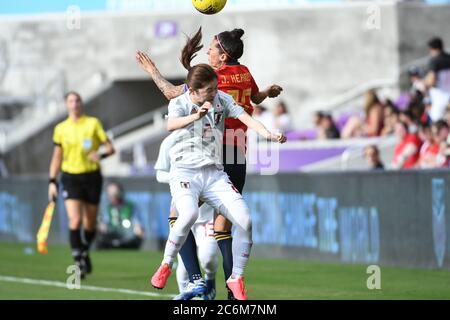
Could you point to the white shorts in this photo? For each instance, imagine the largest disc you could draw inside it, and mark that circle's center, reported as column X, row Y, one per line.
column 208, row 184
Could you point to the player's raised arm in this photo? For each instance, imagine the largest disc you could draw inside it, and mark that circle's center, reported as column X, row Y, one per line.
column 260, row 129
column 272, row 92
column 169, row 90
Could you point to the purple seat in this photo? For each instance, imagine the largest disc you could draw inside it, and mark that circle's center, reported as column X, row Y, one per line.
column 292, row 160
column 301, row 134
column 402, row 101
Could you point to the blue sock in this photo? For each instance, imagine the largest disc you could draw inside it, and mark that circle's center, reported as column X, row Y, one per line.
column 188, row 253
column 224, row 241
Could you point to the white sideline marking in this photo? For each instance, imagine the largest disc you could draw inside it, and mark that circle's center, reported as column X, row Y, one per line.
column 82, row 287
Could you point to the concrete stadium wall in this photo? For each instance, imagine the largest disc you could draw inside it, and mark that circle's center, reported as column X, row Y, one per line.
column 384, row 218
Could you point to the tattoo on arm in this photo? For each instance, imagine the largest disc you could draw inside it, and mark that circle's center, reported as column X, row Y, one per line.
column 169, row 90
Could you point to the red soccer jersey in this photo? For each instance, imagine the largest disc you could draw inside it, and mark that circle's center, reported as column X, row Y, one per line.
column 237, row 81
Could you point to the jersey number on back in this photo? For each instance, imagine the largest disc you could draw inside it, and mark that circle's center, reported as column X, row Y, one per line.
column 241, row 96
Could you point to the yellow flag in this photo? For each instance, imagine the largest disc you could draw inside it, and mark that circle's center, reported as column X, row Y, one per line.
column 42, row 235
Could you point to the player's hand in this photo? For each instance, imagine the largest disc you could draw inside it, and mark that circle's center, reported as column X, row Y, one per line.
column 94, row 156
column 145, row 62
column 274, row 91
column 52, row 192
column 204, row 109
column 278, row 137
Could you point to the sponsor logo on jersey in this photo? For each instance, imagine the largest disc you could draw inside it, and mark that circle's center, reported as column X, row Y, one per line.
column 217, row 118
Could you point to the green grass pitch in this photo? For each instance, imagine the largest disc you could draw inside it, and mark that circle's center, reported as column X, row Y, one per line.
column 265, row 279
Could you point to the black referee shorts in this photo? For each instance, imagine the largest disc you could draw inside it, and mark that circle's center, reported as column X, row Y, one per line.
column 84, row 186
column 235, row 166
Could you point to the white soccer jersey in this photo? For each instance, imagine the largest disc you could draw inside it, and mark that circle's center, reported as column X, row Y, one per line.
column 200, row 143
column 206, row 212
column 163, row 161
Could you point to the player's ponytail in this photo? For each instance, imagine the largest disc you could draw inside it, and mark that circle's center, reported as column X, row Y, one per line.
column 201, row 74
column 230, row 43
column 191, row 48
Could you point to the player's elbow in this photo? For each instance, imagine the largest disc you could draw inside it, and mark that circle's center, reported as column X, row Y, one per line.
column 162, row 176
column 170, row 95
column 159, row 177
column 170, row 126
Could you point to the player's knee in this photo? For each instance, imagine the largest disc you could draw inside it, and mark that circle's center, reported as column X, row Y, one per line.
column 245, row 220
column 209, row 264
column 208, row 261
column 187, row 209
column 193, row 216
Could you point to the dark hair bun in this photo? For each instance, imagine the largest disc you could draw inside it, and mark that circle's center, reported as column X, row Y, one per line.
column 237, row 33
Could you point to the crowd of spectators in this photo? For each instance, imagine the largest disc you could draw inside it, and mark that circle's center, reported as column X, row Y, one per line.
column 419, row 118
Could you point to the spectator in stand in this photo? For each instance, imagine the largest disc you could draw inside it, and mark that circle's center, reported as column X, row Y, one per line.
column 408, row 118
column 440, row 131
column 391, row 117
column 282, row 119
column 266, row 118
column 372, row 155
column 417, row 110
column 327, row 128
column 318, row 115
column 374, row 114
column 447, row 116
column 416, row 81
column 437, row 79
column 429, row 149
column 427, row 110
column 406, row 152
column 372, row 125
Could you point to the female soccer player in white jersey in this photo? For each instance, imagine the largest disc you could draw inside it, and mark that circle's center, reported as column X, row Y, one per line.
column 197, row 170
column 203, row 232
column 235, row 79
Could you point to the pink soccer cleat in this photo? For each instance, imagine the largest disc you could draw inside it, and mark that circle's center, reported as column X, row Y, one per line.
column 160, row 277
column 237, row 287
